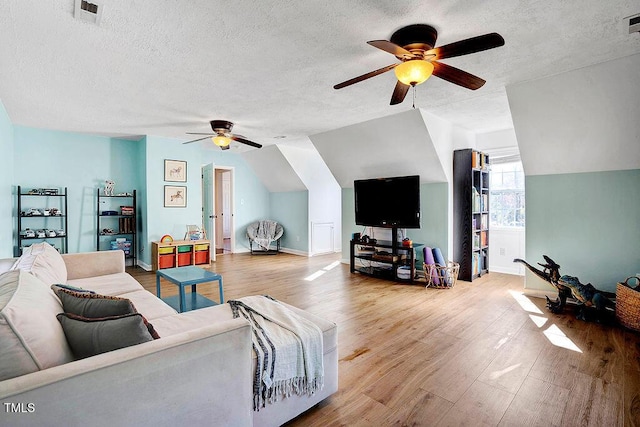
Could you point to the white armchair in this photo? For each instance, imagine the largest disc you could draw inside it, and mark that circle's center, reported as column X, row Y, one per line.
column 263, row 234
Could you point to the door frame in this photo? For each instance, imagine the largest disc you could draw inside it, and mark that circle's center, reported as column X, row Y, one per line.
column 212, row 190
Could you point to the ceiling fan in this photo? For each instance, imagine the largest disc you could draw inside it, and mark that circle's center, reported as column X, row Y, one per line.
column 414, row 46
column 222, row 135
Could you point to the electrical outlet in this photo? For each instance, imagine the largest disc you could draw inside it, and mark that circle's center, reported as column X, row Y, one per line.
column 502, row 252
column 297, row 238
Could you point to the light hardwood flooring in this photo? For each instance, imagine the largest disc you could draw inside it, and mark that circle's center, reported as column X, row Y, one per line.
column 479, row 354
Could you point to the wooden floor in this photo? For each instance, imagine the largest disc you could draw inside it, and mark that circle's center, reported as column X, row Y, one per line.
column 478, row 354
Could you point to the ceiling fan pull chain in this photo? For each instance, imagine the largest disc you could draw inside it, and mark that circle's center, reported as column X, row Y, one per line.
column 414, row 97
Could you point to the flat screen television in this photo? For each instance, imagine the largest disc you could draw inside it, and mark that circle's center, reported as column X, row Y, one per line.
column 388, row 202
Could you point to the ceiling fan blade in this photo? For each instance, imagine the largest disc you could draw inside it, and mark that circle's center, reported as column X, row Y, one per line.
column 399, row 93
column 196, row 140
column 365, row 76
column 467, row 46
column 200, row 133
column 457, row 76
column 391, row 48
column 245, row 141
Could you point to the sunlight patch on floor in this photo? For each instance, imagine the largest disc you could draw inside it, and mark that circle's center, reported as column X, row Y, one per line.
column 497, row 374
column 559, row 339
column 314, row 276
column 553, row 332
column 538, row 320
column 525, row 302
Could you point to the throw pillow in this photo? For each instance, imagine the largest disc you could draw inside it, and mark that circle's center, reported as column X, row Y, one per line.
column 30, row 338
column 59, row 286
column 86, row 303
column 93, row 305
column 88, row 337
column 43, row 261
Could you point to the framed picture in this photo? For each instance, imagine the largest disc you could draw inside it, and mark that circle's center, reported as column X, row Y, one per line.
column 175, row 170
column 175, row 196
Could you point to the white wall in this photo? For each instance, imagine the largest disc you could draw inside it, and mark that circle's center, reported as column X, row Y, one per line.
column 584, row 120
column 505, row 244
column 325, row 201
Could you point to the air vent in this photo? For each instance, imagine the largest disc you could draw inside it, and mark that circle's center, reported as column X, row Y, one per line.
column 88, row 11
column 634, row 23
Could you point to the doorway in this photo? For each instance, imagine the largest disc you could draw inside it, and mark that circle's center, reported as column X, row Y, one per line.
column 217, row 208
column 223, row 211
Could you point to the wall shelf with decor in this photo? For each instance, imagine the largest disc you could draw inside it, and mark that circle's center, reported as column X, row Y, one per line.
column 42, row 217
column 180, row 253
column 117, row 223
column 471, row 213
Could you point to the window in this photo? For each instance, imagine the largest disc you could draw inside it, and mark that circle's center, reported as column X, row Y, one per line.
column 506, row 197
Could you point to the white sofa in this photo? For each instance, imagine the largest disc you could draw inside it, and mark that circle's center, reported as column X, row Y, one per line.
column 199, row 372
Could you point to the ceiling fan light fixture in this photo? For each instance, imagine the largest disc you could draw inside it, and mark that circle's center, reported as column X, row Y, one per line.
column 221, row 140
column 414, row 72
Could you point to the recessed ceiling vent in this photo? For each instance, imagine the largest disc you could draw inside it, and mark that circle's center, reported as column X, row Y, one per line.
column 634, row 23
column 88, row 11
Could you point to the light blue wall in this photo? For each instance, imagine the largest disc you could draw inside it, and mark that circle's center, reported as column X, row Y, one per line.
column 79, row 162
column 589, row 223
column 291, row 209
column 7, row 204
column 162, row 220
column 144, row 251
column 251, row 197
column 434, row 219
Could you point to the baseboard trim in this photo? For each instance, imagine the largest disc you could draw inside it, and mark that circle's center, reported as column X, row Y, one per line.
column 295, row 252
column 144, row 265
column 539, row 293
column 512, row 271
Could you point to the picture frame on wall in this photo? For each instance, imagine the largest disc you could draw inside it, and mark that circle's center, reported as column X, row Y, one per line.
column 175, row 170
column 175, row 196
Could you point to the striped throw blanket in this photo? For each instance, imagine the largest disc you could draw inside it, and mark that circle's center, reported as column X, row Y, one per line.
column 288, row 349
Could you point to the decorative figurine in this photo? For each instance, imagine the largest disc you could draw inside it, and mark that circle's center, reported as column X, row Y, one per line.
column 570, row 286
column 108, row 187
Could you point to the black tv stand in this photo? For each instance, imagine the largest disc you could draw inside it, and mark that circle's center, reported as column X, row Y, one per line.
column 382, row 258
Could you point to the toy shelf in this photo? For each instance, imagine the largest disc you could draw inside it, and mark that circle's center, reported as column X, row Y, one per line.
column 180, row 253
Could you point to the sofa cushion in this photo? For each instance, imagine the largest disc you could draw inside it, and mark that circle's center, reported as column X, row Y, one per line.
column 30, row 337
column 90, row 336
column 90, row 304
column 108, row 284
column 43, row 261
column 148, row 304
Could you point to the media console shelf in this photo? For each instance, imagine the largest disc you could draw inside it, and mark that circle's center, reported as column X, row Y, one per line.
column 383, row 259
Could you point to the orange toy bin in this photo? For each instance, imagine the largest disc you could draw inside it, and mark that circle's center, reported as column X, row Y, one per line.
column 184, row 259
column 202, row 257
column 166, row 261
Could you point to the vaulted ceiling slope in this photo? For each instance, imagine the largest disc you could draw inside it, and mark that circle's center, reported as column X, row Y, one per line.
column 274, row 170
column 167, row 68
column 395, row 145
column 584, row 120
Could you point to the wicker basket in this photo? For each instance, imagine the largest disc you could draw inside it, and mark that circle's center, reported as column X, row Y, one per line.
column 628, row 304
column 447, row 276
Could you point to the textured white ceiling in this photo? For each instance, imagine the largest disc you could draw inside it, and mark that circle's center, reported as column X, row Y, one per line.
column 166, row 68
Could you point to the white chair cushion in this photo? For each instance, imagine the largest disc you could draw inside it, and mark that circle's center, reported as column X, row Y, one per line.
column 43, row 261
column 31, row 338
